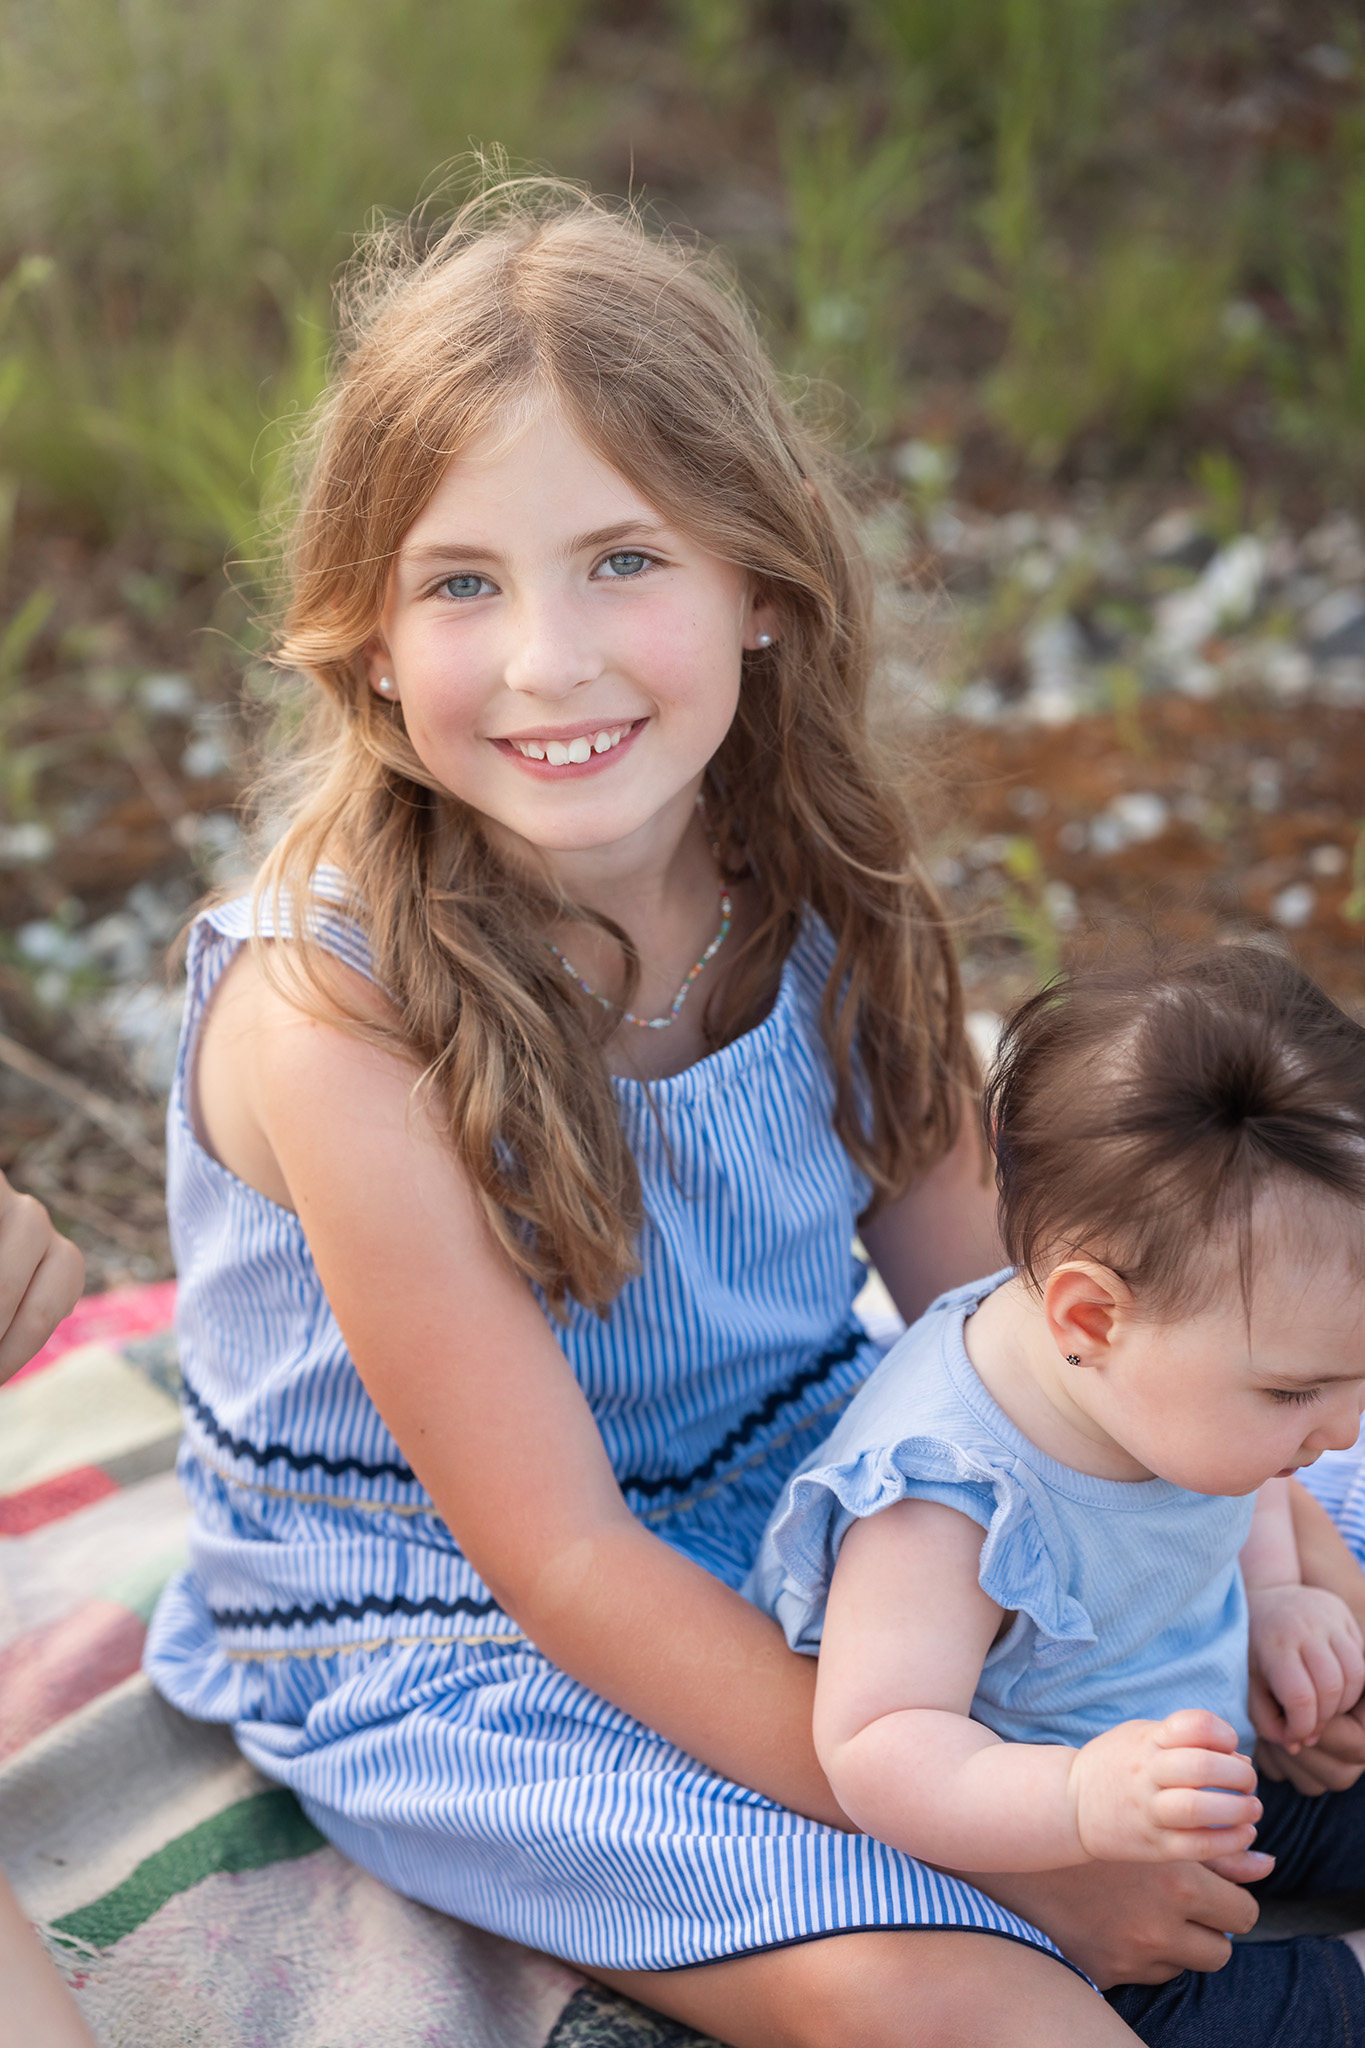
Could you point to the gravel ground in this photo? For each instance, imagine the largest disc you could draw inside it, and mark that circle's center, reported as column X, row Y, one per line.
column 1134, row 723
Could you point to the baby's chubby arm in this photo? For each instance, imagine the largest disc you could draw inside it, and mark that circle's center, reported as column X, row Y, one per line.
column 907, row 1630
column 1307, row 1659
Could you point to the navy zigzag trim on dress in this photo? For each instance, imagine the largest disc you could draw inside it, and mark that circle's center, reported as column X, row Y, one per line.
column 745, row 1430
column 283, row 1454
column 346, row 1610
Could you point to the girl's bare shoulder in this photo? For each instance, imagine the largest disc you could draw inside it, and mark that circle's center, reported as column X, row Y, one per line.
column 264, row 1060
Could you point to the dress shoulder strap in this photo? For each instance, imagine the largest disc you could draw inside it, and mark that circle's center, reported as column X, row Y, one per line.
column 329, row 919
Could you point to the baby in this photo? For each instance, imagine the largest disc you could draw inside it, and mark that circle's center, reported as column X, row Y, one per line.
column 1018, row 1554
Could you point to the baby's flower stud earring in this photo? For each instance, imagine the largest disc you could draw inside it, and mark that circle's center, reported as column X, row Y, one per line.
column 1073, row 1357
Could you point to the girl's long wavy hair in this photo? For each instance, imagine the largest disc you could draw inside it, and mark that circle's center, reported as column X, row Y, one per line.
column 536, row 294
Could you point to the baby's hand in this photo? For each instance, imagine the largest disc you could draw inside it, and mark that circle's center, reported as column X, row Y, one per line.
column 1307, row 1662
column 1159, row 1791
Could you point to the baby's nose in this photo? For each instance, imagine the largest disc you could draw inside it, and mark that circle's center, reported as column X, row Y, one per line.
column 1339, row 1434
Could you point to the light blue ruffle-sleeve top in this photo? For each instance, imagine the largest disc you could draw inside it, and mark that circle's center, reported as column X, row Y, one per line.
column 1127, row 1598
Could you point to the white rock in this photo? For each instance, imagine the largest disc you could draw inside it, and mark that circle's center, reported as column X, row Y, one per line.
column 44, row 943
column 31, row 841
column 1265, row 784
column 120, row 945
column 1054, row 656
column 980, row 702
column 1194, row 678
column 1063, row 910
column 167, row 696
column 983, row 1029
column 204, row 758
column 1225, row 595
column 1330, row 613
column 1141, row 813
column 1285, row 670
column 1293, row 906
column 146, row 1022
column 927, row 464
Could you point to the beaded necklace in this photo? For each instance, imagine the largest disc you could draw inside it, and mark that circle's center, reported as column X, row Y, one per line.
column 663, row 1023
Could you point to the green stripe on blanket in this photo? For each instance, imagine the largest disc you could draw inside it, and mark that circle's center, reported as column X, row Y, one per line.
column 269, row 1827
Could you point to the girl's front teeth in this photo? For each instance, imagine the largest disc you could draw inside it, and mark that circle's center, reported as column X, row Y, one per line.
column 560, row 753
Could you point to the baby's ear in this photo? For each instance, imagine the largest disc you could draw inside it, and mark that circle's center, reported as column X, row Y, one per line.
column 1085, row 1303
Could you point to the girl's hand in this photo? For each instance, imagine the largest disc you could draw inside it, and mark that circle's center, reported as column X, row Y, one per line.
column 1333, row 1763
column 41, row 1275
column 1307, row 1662
column 1172, row 1791
column 1137, row 1923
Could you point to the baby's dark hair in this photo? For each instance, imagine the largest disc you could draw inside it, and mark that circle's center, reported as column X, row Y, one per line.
column 1137, row 1112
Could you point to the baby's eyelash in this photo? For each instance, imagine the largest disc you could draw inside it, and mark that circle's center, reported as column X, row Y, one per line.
column 1296, row 1397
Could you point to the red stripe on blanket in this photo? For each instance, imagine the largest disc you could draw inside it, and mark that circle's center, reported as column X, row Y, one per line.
column 50, row 1499
column 110, row 1318
column 46, row 1675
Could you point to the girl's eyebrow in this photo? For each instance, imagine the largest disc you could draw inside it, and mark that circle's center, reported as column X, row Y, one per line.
column 581, row 543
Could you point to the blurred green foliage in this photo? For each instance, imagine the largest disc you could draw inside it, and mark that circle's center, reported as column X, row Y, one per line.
column 196, row 173
column 1105, row 228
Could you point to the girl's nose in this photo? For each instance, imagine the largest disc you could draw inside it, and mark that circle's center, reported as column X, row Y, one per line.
column 546, row 654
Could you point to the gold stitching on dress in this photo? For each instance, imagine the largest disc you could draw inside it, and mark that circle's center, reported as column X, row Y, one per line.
column 319, row 1500
column 367, row 1643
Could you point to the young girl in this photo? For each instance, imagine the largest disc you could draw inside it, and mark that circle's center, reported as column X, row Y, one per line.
column 523, row 1118
column 1181, row 1167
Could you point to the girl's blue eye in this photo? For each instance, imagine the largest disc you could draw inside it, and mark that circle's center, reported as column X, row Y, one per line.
column 1296, row 1397
column 465, row 586
column 626, row 563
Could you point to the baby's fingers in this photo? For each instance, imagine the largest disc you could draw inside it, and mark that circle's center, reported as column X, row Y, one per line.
column 1186, row 1808
column 1197, row 1768
column 1195, row 1728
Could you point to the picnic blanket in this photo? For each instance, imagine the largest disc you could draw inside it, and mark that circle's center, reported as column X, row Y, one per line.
column 184, row 1898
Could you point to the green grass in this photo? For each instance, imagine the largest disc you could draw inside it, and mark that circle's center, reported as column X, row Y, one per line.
column 979, row 194
column 195, row 174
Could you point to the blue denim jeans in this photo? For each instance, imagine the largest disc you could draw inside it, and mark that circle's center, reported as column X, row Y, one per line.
column 1307, row 1992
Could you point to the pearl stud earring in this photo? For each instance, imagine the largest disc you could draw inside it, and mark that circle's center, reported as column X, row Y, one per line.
column 386, row 685
column 765, row 639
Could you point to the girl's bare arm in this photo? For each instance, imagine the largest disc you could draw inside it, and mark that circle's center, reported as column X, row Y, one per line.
column 943, row 1230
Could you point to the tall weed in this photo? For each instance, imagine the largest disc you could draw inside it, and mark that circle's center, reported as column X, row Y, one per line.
column 849, row 197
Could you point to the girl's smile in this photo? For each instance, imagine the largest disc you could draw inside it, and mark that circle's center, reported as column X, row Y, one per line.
column 567, row 663
column 560, row 750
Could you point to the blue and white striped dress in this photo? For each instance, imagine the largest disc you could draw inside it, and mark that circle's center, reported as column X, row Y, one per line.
column 328, row 1614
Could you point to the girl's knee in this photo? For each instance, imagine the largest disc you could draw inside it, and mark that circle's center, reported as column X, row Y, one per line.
column 947, row 1989
column 904, row 1988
